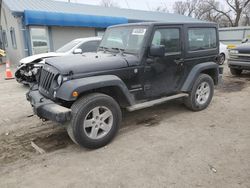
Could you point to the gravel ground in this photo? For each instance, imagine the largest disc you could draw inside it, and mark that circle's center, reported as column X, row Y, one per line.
column 163, row 146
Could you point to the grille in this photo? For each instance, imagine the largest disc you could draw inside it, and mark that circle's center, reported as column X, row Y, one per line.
column 46, row 79
column 239, row 57
column 244, row 57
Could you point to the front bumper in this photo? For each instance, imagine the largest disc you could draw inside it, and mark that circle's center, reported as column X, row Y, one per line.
column 239, row 64
column 47, row 109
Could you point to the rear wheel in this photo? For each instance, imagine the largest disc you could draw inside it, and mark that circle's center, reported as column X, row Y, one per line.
column 201, row 93
column 235, row 72
column 95, row 120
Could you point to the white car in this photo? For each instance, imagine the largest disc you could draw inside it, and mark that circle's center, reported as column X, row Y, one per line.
column 223, row 53
column 27, row 69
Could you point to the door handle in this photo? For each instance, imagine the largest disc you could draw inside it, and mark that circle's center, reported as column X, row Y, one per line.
column 178, row 61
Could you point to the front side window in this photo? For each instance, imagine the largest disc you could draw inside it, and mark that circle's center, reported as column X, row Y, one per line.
column 169, row 37
column 201, row 39
column 90, row 46
column 13, row 37
column 128, row 39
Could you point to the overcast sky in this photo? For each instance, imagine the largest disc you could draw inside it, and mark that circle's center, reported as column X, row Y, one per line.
column 133, row 4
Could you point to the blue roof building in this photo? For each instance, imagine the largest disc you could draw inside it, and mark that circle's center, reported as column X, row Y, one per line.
column 55, row 23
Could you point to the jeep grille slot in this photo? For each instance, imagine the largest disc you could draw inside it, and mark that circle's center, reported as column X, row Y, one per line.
column 46, row 79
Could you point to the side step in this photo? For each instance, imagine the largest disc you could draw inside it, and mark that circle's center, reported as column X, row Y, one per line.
column 155, row 102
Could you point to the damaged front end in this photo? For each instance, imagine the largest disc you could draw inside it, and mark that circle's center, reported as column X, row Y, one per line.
column 28, row 73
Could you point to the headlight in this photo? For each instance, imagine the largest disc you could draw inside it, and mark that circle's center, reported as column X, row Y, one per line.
column 234, row 51
column 59, row 80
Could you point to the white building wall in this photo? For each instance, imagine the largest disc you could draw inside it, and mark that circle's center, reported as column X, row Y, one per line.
column 8, row 21
column 234, row 35
column 62, row 35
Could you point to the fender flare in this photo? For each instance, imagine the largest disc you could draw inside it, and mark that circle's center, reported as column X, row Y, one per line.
column 195, row 72
column 89, row 83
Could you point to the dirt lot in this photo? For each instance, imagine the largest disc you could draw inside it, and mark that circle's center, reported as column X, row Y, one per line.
column 164, row 146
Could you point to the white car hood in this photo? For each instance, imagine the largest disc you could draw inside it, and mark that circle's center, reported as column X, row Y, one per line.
column 32, row 58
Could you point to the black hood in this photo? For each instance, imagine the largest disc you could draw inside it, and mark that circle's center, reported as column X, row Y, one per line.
column 243, row 48
column 89, row 62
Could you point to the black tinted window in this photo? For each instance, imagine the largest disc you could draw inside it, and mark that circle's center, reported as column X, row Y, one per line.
column 169, row 37
column 201, row 38
column 90, row 46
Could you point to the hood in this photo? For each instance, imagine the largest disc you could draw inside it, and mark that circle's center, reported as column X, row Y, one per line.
column 88, row 62
column 32, row 58
column 243, row 48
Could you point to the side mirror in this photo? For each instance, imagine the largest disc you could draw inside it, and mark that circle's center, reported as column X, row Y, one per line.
column 244, row 40
column 77, row 51
column 157, row 51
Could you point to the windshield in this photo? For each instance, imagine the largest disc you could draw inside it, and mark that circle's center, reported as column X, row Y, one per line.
column 67, row 47
column 128, row 39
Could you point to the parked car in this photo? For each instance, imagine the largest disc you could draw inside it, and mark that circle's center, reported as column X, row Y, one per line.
column 223, row 54
column 239, row 58
column 27, row 70
column 136, row 66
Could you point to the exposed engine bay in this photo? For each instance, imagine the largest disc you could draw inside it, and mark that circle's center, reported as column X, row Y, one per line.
column 28, row 73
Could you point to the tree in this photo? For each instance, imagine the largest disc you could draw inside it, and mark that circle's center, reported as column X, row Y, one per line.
column 108, row 3
column 186, row 8
column 246, row 16
column 234, row 12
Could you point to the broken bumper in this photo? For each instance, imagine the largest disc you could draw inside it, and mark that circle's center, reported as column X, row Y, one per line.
column 47, row 109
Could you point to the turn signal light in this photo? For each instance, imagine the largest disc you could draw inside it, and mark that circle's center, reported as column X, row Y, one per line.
column 75, row 94
column 231, row 46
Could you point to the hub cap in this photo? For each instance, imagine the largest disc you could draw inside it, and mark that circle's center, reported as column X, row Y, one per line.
column 98, row 122
column 202, row 93
column 222, row 59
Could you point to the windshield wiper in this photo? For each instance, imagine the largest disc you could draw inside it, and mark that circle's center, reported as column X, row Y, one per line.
column 103, row 48
column 121, row 51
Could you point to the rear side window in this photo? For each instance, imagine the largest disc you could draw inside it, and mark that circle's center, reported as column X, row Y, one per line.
column 201, row 39
column 169, row 37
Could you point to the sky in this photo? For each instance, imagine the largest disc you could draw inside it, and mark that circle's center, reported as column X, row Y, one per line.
column 132, row 4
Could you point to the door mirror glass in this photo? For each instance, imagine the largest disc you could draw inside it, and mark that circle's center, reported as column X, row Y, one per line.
column 244, row 40
column 157, row 51
column 77, row 51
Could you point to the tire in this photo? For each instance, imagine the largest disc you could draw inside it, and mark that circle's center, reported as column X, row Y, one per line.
column 199, row 98
column 235, row 72
column 96, row 119
column 222, row 59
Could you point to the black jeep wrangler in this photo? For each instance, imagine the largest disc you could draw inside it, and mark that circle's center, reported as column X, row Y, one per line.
column 136, row 66
column 239, row 58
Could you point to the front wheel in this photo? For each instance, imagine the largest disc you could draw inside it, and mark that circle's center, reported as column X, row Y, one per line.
column 95, row 120
column 201, row 93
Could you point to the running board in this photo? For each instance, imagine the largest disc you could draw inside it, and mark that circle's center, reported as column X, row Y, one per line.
column 155, row 102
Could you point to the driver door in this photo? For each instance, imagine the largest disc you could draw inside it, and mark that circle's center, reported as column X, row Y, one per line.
column 163, row 74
